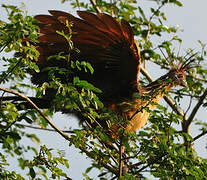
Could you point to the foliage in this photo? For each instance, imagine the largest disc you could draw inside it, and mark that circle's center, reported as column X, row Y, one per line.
column 161, row 149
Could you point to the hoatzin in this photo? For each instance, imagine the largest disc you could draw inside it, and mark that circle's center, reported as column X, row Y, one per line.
column 110, row 48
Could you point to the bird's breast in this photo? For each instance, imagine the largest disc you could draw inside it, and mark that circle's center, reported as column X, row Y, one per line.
column 138, row 115
column 138, row 121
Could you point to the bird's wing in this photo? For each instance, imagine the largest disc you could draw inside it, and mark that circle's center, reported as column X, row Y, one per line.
column 108, row 45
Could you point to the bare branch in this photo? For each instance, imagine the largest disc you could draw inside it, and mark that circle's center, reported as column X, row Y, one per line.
column 5, row 76
column 110, row 168
column 44, row 129
column 195, row 109
column 150, row 19
column 200, row 79
column 152, row 162
column 40, row 102
column 103, row 143
column 200, row 135
column 184, row 94
column 38, row 110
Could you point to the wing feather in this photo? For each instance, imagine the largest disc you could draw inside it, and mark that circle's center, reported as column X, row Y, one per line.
column 127, row 30
column 112, row 24
column 107, row 45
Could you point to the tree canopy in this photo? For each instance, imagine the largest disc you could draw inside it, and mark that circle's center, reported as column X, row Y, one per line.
column 163, row 149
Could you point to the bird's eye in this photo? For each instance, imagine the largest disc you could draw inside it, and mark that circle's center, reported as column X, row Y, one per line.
column 180, row 76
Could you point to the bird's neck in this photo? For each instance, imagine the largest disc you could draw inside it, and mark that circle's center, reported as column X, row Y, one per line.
column 154, row 91
column 134, row 109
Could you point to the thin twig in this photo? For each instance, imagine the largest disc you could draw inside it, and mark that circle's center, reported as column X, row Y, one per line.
column 151, row 163
column 38, row 110
column 149, row 24
column 10, row 71
column 93, row 2
column 200, row 135
column 195, row 109
column 200, row 79
column 44, row 129
column 184, row 94
column 189, row 106
column 10, row 125
column 103, row 144
column 111, row 169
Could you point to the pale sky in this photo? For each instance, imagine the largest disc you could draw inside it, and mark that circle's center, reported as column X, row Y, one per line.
column 192, row 21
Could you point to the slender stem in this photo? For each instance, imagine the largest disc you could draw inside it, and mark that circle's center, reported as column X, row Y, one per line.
column 186, row 124
column 111, row 169
column 195, row 109
column 103, row 144
column 38, row 110
column 151, row 163
column 10, row 71
column 44, row 129
column 93, row 2
column 200, row 135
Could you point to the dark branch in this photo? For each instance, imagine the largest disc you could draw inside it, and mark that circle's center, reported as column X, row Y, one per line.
column 200, row 135
column 44, row 129
column 22, row 104
column 5, row 76
column 195, row 109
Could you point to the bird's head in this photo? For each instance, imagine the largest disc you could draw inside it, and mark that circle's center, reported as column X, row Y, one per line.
column 178, row 77
column 178, row 73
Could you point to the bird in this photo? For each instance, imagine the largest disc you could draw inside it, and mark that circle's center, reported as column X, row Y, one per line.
column 109, row 46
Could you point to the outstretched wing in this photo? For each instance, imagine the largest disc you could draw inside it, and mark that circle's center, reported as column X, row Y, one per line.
column 109, row 46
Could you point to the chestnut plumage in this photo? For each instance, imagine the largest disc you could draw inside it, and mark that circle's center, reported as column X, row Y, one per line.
column 111, row 49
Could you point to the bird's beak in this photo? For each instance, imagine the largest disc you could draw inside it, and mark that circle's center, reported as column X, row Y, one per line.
column 183, row 83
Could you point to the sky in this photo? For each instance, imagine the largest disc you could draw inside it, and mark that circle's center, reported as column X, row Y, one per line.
column 191, row 19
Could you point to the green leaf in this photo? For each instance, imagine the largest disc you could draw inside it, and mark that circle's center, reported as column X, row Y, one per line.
column 178, row 3
column 32, row 173
column 142, row 13
column 205, row 104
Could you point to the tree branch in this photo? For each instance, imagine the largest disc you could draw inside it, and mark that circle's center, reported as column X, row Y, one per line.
column 152, row 162
column 40, row 102
column 38, row 110
column 44, row 129
column 5, row 75
column 200, row 135
column 200, row 79
column 150, row 19
column 195, row 110
column 110, row 168
column 184, row 94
